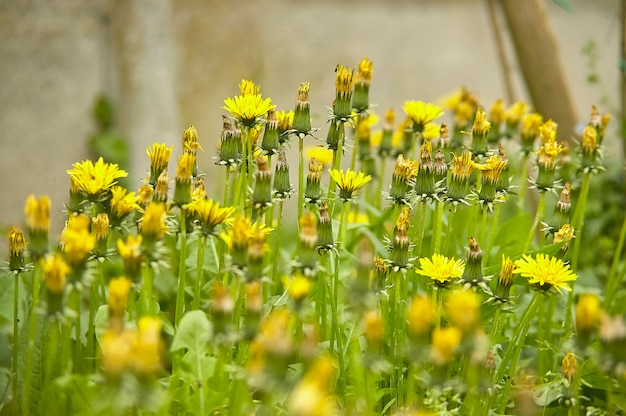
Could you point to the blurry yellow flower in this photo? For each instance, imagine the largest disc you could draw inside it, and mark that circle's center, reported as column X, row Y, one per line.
column 515, row 112
column 248, row 108
column 588, row 311
column 569, row 366
column 463, row 309
column 275, row 333
column 17, row 242
column 119, row 288
column 545, row 271
column 421, row 113
column 374, row 326
column 190, row 140
column 444, row 344
column 130, row 251
column 349, row 182
column 492, row 168
column 496, row 112
column 589, row 141
column 297, row 287
column 364, row 71
column 285, row 120
column 481, row 125
column 38, row 213
column 421, row 315
column 547, row 131
column 153, row 223
column 55, row 270
column 116, row 350
column 357, row 218
column 247, row 87
column 565, row 233
column 92, row 178
column 312, row 396
column 321, row 154
column 431, row 131
column 440, row 269
column 77, row 244
column 147, row 349
column 159, row 155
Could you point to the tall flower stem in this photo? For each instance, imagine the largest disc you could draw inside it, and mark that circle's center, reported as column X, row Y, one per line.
column 301, row 184
column 52, row 348
column 93, row 306
column 450, row 233
column 320, row 301
column 614, row 277
column 522, row 184
column 227, row 187
column 16, row 293
column 381, row 179
column 538, row 215
column 78, row 353
column 483, row 227
column 147, row 280
column 511, row 356
column 250, row 162
column 32, row 334
column 492, row 234
column 182, row 269
column 279, row 220
column 199, row 270
column 337, row 166
column 437, row 227
column 419, row 227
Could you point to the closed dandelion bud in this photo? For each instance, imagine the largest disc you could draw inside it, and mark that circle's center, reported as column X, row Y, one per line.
column 230, row 144
column 282, row 185
column 546, row 164
column 588, row 312
column 490, row 171
column 285, row 124
column 590, row 153
column 513, row 115
column 55, row 271
column 463, row 309
column 399, row 247
column 386, row 141
column 335, row 134
column 144, row 196
column 307, row 244
column 184, row 172
column 325, row 240
column 262, row 193
column 402, row 180
column 378, row 276
column 148, row 347
column 458, row 181
column 37, row 224
column 257, row 248
column 254, row 307
column 445, row 342
column 342, row 108
column 130, row 251
column 604, row 121
column 505, row 280
column 503, row 183
column 153, row 225
column 208, row 214
column 302, row 114
column 497, row 118
column 222, row 307
column 312, row 192
column 270, row 144
column 360, row 99
column 199, row 190
column 159, row 155
column 425, row 180
column 162, row 188
column 530, row 131
column 119, row 288
column 473, row 274
column 444, row 137
column 562, row 209
column 374, row 328
column 17, row 245
column 100, row 226
column 440, row 169
column 569, row 366
column 191, row 146
column 420, row 316
column 122, row 204
column 480, row 130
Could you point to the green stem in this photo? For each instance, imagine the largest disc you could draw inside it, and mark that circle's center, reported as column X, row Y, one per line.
column 379, row 189
column 320, row 302
column 250, row 159
column 147, row 279
column 32, row 334
column 301, row 184
column 492, row 234
column 227, row 188
column 78, row 353
column 199, row 271
column 614, row 276
column 450, row 235
column 16, row 299
column 274, row 277
column 182, row 268
column 420, row 226
column 52, row 350
column 437, row 227
column 483, row 229
column 538, row 215
column 93, row 306
column 522, row 185
column 337, row 154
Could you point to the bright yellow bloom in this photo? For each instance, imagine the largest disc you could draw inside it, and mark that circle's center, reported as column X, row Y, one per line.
column 275, row 333
column 349, row 181
column 548, row 153
column 462, row 166
column 590, row 139
column 515, row 112
column 17, row 242
column 565, row 233
column 144, row 195
column 38, row 213
column 492, row 168
column 374, row 326
column 77, row 244
column 93, row 179
column 322, row 154
column 159, row 155
column 148, row 346
column 241, row 230
column 55, row 270
column 357, row 218
column 184, row 170
column 481, row 125
column 153, row 222
column 531, row 124
column 210, row 213
column 122, row 203
column 116, row 350
column 547, row 131
column 364, row 71
column 119, row 288
column 80, row 222
column 343, row 80
column 247, row 87
column 588, row 311
column 285, row 120
column 311, row 396
column 463, row 114
column 496, row 112
column 463, row 309
column 100, row 226
column 444, row 344
column 441, row 269
column 248, row 108
column 130, row 251
column 421, row 113
column 297, row 287
column 545, row 271
column 421, row 315
column 431, row 131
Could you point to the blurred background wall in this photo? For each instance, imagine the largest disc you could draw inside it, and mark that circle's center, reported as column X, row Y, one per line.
column 166, row 64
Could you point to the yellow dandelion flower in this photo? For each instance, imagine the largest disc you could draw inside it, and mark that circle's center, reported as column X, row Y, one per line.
column 343, row 80
column 209, row 213
column 421, row 315
column 297, row 287
column 444, row 344
column 588, row 311
column 148, row 346
column 311, row 396
column 357, row 218
column 100, row 225
column 247, row 87
column 569, row 366
column 462, row 166
column 159, row 155
column 441, row 269
column 590, row 139
column 116, row 348
column 515, row 112
column 547, row 131
column 321, row 154
column 77, row 244
column 463, row 309
column 421, row 113
column 17, row 242
column 248, row 108
column 481, row 125
column 548, row 153
column 119, row 288
column 38, row 213
column 349, row 182
column 565, row 233
column 285, row 120
column 431, row 131
column 496, row 112
column 374, row 326
column 153, row 223
column 55, row 270
column 492, row 168
column 190, row 140
column 130, row 251
column 122, row 203
column 364, row 71
column 545, row 272
column 184, row 170
column 93, row 179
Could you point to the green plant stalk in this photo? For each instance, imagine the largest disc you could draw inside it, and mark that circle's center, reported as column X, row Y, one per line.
column 400, row 333
column 418, row 237
column 182, row 269
column 78, row 350
column 32, row 333
column 450, row 235
column 227, row 188
column 545, row 333
column 320, row 302
column 614, row 277
column 337, row 154
column 93, row 306
column 52, row 349
column 522, row 185
column 437, row 227
column 492, row 234
column 274, row 277
column 199, row 270
column 301, row 184
column 16, row 299
column 147, row 280
column 483, row 229
column 381, row 179
column 538, row 215
column 495, row 326
column 515, row 347
column 250, row 159
column 355, row 150
column 362, row 379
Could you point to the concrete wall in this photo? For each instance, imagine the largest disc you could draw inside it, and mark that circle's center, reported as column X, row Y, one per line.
column 170, row 63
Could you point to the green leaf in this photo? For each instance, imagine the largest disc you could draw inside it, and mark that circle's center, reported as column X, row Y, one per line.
column 5, row 386
column 194, row 331
column 549, row 392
